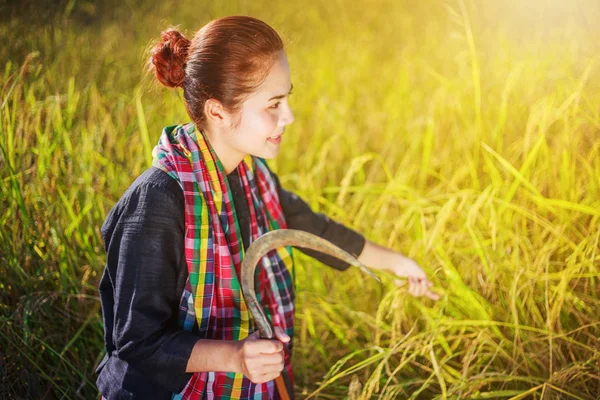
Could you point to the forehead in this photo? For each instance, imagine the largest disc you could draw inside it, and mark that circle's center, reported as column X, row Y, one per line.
column 277, row 81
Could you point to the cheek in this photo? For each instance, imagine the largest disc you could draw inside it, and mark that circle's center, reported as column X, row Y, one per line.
column 263, row 121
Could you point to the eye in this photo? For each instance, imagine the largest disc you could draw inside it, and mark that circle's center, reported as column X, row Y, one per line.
column 275, row 105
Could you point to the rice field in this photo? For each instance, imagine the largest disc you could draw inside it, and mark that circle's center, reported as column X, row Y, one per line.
column 464, row 134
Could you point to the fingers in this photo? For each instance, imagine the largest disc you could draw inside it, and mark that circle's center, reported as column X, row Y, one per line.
column 399, row 283
column 281, row 335
column 269, row 346
column 423, row 286
column 262, row 360
column 432, row 295
column 273, row 361
column 254, row 335
column 266, row 377
column 269, row 362
column 418, row 287
column 413, row 287
column 265, row 369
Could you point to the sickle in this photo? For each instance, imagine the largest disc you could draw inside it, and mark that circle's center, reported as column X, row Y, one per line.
column 273, row 240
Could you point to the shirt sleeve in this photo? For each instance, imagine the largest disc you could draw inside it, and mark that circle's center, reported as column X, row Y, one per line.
column 299, row 215
column 145, row 255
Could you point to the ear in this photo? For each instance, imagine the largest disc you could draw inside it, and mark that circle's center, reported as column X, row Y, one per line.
column 216, row 113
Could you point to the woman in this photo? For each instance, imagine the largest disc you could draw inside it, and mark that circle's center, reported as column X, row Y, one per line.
column 176, row 325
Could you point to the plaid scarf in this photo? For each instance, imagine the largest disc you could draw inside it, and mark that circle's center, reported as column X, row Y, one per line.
column 212, row 304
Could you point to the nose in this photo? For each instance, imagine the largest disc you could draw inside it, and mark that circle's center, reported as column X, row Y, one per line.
column 289, row 116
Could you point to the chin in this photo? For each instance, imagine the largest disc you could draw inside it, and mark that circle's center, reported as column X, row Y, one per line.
column 267, row 155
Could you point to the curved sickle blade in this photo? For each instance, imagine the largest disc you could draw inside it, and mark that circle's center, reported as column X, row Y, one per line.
column 273, row 240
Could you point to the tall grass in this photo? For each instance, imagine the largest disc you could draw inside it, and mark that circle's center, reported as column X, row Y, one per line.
column 463, row 134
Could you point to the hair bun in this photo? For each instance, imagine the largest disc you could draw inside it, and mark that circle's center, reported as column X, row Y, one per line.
column 169, row 57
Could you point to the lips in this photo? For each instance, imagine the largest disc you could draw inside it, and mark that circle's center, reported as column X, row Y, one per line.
column 276, row 140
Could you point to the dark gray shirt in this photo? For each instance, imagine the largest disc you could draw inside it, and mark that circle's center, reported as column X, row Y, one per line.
column 145, row 274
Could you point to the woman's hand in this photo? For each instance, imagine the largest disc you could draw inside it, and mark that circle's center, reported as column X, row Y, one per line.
column 262, row 360
column 382, row 258
column 418, row 284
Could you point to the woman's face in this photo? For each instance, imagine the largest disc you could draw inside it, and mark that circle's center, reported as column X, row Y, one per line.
column 264, row 114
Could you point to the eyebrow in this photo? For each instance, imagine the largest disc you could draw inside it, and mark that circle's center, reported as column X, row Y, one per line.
column 281, row 96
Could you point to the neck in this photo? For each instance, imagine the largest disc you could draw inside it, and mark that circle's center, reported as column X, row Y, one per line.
column 229, row 157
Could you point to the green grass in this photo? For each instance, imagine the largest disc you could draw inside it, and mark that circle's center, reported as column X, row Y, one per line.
column 463, row 134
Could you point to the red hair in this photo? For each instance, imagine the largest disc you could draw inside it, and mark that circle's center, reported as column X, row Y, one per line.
column 226, row 60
